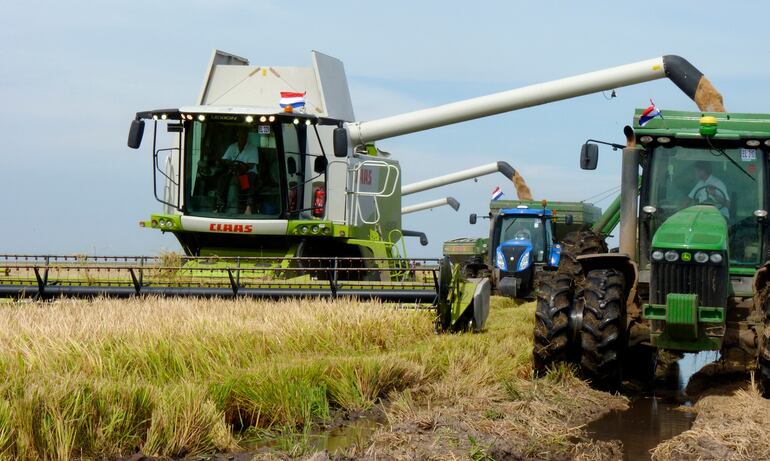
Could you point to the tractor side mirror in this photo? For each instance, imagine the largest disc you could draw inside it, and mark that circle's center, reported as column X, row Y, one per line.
column 291, row 166
column 472, row 218
column 589, row 156
column 340, row 142
column 568, row 220
column 319, row 165
column 135, row 134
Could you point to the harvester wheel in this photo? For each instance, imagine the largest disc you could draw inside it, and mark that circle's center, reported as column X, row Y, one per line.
column 576, row 244
column 602, row 338
column 552, row 342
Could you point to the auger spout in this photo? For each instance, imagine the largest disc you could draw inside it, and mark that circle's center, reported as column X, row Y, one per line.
column 688, row 78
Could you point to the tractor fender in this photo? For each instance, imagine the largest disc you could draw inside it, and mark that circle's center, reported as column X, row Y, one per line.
column 627, row 267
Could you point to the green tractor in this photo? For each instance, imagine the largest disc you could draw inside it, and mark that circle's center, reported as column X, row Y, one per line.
column 691, row 273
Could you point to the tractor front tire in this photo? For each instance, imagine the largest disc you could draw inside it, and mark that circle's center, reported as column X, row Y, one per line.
column 552, row 342
column 602, row 338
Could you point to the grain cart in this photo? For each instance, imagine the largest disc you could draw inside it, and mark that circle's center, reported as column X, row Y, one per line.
column 692, row 272
column 273, row 189
column 523, row 240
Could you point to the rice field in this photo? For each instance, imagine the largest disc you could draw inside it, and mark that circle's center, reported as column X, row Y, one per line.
column 178, row 377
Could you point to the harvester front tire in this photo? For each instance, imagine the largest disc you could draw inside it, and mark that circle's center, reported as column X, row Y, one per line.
column 602, row 337
column 552, row 342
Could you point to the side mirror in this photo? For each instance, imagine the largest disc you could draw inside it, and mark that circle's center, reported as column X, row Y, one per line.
column 589, row 156
column 291, row 166
column 319, row 165
column 340, row 142
column 135, row 134
column 472, row 218
column 568, row 220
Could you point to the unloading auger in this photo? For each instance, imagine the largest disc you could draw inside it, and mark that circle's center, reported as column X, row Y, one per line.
column 273, row 189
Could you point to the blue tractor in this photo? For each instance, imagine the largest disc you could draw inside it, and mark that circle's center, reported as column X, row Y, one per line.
column 523, row 240
column 521, row 244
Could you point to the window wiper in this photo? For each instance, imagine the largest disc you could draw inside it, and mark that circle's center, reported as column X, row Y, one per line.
column 720, row 151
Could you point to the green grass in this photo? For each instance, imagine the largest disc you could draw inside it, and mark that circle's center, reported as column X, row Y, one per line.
column 180, row 377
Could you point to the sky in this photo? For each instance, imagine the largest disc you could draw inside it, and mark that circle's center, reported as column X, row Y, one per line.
column 74, row 73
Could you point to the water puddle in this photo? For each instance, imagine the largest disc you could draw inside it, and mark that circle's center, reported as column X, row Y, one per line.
column 347, row 435
column 656, row 417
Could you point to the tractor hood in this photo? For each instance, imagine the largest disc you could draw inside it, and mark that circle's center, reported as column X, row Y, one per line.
column 698, row 227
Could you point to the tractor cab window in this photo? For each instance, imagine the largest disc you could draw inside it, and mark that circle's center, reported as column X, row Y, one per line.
column 248, row 170
column 525, row 231
column 727, row 177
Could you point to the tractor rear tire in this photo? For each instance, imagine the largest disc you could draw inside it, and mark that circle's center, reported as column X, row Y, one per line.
column 602, row 335
column 763, row 361
column 552, row 343
column 579, row 243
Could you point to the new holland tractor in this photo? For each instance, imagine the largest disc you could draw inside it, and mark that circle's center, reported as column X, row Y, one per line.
column 523, row 240
column 273, row 189
column 691, row 273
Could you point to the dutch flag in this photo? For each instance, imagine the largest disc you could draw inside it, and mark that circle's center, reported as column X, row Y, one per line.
column 497, row 193
column 649, row 114
column 295, row 100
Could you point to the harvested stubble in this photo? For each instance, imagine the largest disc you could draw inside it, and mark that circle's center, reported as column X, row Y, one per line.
column 734, row 427
column 171, row 377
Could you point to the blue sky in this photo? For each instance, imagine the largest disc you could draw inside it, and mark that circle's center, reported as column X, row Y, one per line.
column 73, row 73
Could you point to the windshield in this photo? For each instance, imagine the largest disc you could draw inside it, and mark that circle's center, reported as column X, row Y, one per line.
column 248, row 170
column 682, row 176
column 529, row 229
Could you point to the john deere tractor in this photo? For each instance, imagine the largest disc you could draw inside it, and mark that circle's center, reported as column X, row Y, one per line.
column 691, row 273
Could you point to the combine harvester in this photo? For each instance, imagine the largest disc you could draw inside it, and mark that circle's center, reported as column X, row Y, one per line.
column 274, row 190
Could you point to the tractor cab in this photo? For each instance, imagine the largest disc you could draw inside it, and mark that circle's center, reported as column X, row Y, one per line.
column 522, row 243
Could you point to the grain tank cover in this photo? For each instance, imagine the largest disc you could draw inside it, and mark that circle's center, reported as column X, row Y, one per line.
column 232, row 82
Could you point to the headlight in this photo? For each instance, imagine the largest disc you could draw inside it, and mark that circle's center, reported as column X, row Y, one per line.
column 657, row 255
column 700, row 257
column 523, row 262
column 671, row 256
column 715, row 258
column 500, row 260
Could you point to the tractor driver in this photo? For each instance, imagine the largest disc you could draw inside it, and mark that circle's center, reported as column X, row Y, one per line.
column 241, row 159
column 709, row 189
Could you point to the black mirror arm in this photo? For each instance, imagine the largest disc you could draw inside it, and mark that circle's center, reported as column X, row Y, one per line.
column 611, row 144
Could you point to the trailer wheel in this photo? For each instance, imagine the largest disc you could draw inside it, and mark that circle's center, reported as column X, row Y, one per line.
column 602, row 338
column 579, row 243
column 552, row 341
